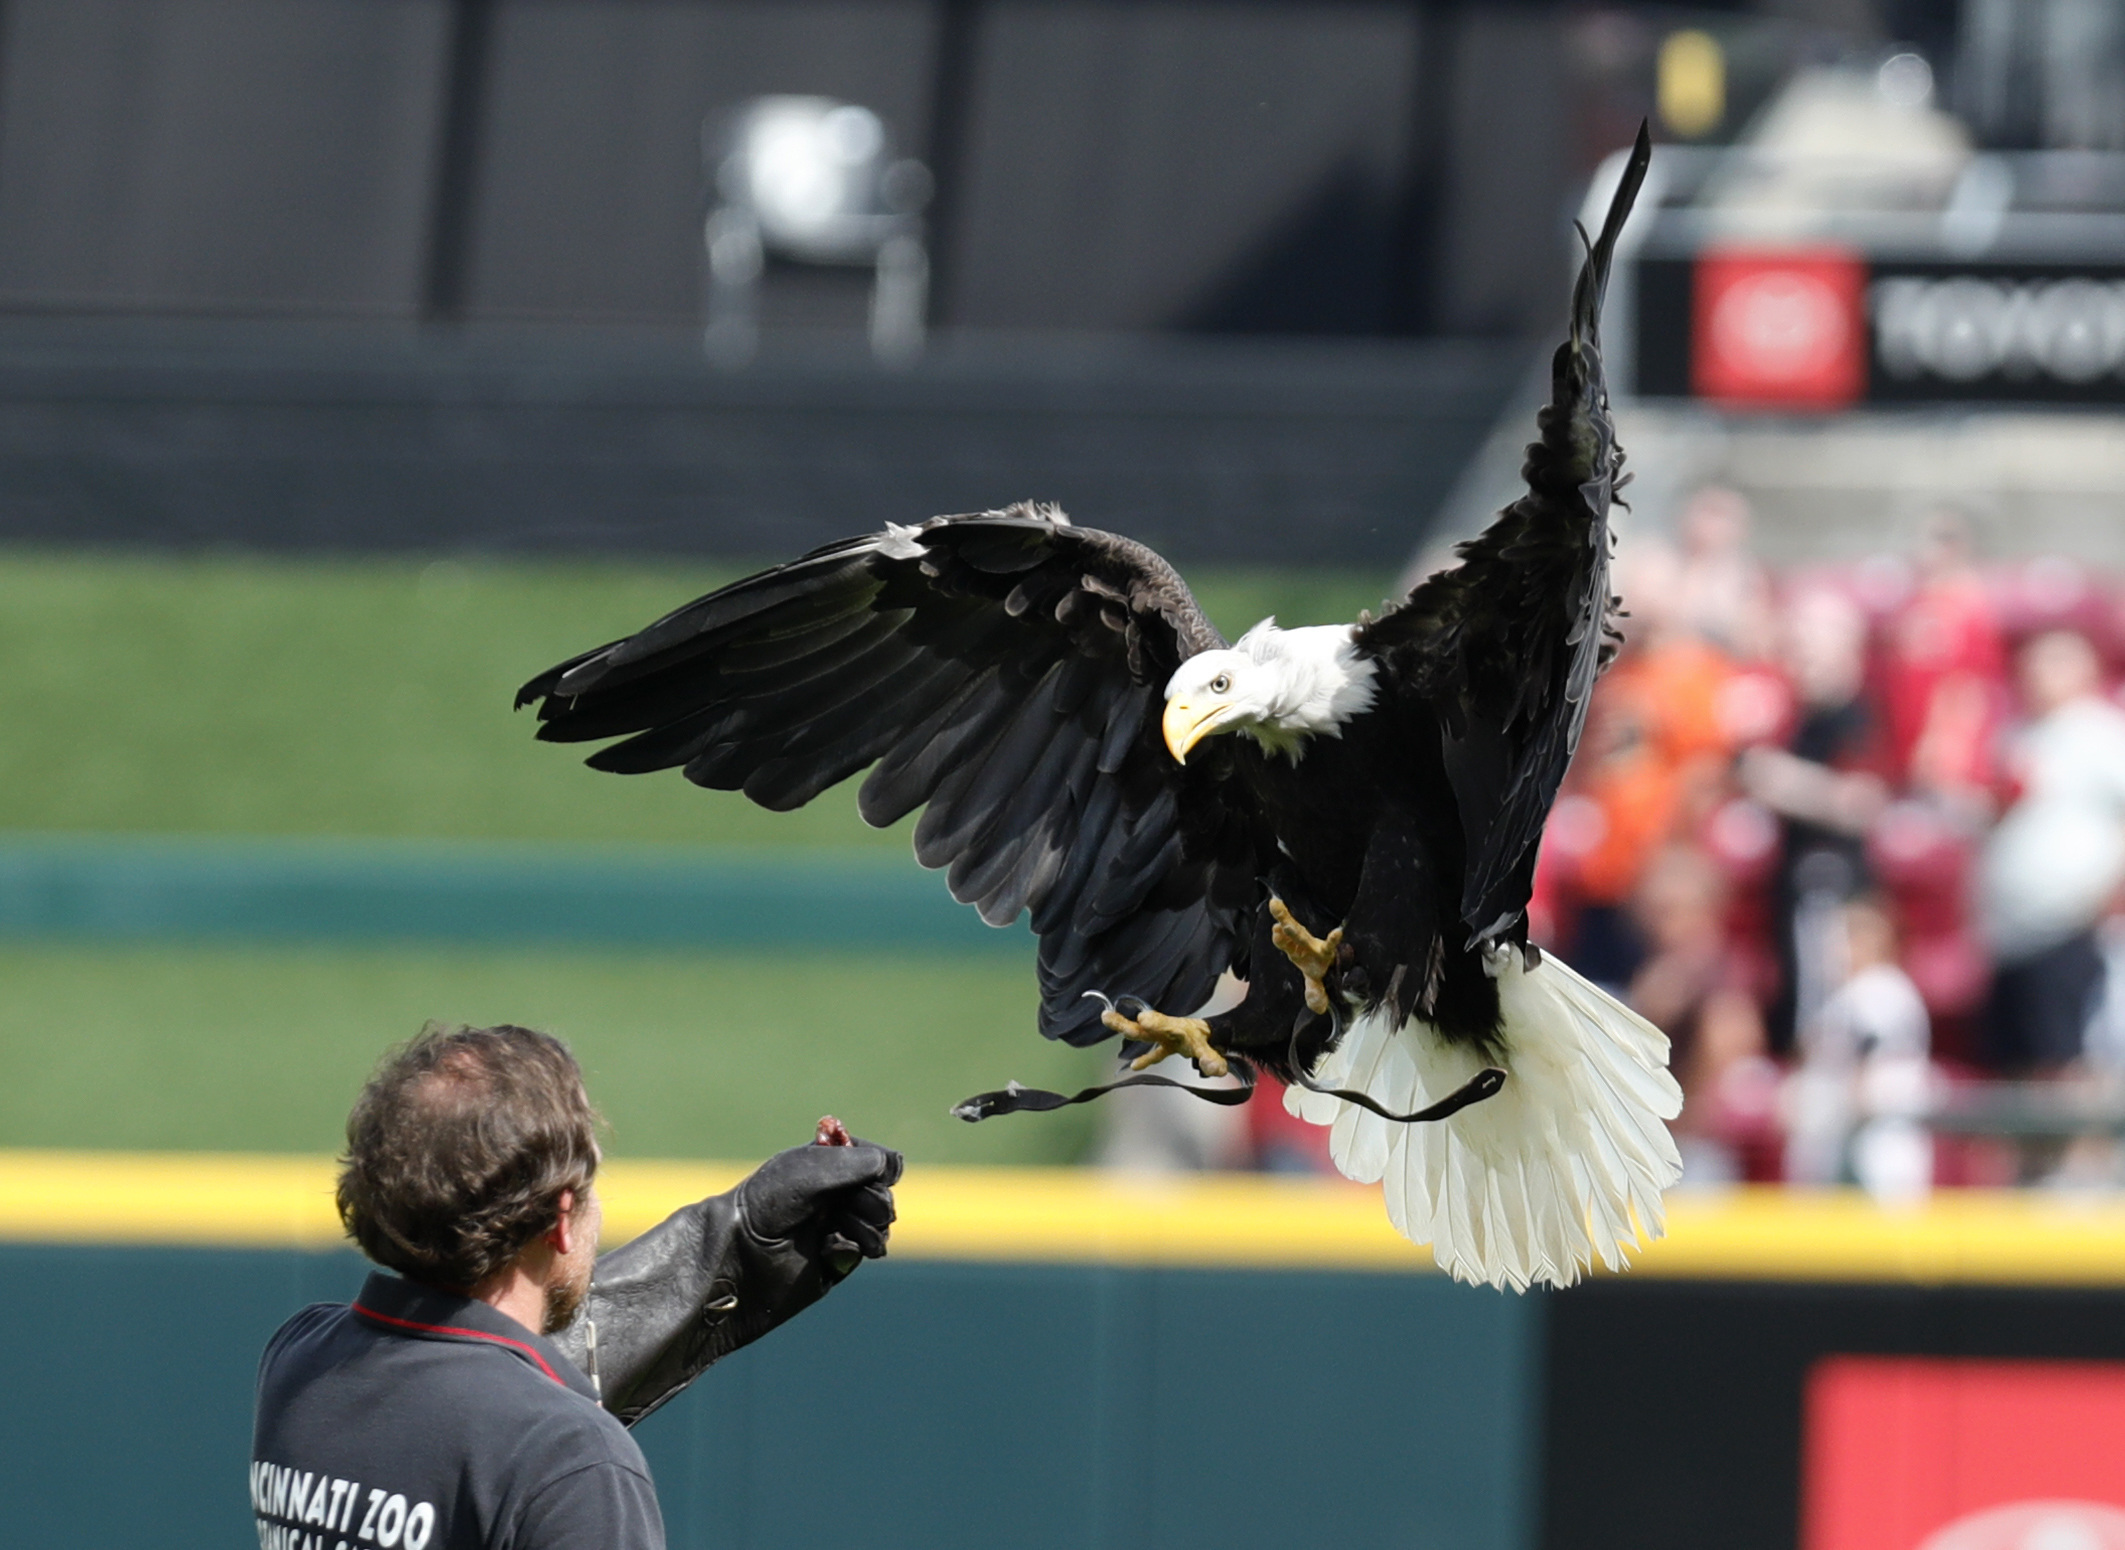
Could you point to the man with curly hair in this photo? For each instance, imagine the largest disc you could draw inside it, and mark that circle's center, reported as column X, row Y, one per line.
column 481, row 1395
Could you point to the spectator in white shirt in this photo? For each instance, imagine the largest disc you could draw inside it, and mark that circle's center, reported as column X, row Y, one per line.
column 2055, row 860
column 1854, row 1104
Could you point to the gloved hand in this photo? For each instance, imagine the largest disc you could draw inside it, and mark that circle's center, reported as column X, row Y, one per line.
column 834, row 1203
column 720, row 1273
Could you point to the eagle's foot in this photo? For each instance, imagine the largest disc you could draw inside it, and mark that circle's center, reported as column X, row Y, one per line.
column 1189, row 1036
column 1313, row 956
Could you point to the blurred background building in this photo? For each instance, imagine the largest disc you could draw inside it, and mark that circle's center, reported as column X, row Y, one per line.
column 1147, row 222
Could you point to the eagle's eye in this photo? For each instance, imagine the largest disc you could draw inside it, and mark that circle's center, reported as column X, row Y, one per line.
column 1222, row 684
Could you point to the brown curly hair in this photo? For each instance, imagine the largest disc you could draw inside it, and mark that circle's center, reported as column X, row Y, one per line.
column 459, row 1149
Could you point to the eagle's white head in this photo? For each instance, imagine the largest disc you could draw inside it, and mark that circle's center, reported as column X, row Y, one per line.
column 1280, row 687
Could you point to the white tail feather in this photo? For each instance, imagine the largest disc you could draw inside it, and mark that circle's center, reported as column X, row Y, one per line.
column 1566, row 1163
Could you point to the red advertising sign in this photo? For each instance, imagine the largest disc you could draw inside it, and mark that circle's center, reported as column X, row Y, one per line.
column 1780, row 328
column 1931, row 1454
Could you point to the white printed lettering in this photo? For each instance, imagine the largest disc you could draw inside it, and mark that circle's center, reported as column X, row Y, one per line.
column 391, row 1522
column 1963, row 328
column 376, row 1497
column 420, row 1523
column 315, row 1512
column 339, row 1492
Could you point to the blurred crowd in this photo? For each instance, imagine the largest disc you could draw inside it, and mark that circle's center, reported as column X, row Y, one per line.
column 1854, row 838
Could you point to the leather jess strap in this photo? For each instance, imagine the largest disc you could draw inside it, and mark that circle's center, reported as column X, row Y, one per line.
column 1015, row 1099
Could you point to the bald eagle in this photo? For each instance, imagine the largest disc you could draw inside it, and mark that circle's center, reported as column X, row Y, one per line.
column 1344, row 817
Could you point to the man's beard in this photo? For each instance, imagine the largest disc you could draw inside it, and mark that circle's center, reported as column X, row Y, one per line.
column 564, row 1299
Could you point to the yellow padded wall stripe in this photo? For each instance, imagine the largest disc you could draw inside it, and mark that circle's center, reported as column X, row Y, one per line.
column 1084, row 1217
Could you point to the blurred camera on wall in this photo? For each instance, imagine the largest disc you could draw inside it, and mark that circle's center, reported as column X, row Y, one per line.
column 810, row 180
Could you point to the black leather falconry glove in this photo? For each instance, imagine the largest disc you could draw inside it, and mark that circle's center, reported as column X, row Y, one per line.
column 724, row 1271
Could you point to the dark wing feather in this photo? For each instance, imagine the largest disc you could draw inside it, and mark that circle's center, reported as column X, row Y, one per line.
column 1003, row 669
column 1505, row 647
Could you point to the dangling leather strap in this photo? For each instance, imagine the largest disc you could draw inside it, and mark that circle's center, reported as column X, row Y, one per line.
column 1015, row 1099
column 1484, row 1084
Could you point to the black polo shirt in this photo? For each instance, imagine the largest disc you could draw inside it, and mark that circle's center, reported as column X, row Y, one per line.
column 417, row 1419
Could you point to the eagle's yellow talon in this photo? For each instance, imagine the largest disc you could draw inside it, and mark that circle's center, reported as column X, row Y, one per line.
column 1188, row 1036
column 1311, row 955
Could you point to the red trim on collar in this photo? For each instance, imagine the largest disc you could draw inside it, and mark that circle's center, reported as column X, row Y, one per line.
column 453, row 1329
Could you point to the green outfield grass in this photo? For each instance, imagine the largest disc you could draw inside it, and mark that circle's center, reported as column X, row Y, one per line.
column 251, row 697
column 248, row 696
column 708, row 1056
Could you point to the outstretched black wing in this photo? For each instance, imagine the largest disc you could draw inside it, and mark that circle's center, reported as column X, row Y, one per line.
column 1006, row 669
column 1505, row 647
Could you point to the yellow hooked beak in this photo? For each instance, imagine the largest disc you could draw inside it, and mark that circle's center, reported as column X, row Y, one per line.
column 1188, row 723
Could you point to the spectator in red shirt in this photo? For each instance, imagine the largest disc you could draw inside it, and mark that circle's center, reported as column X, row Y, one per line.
column 1943, row 661
column 1723, row 594
column 1691, row 988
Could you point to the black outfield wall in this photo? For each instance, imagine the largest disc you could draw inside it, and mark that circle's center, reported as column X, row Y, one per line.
column 1673, row 1408
column 312, row 437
